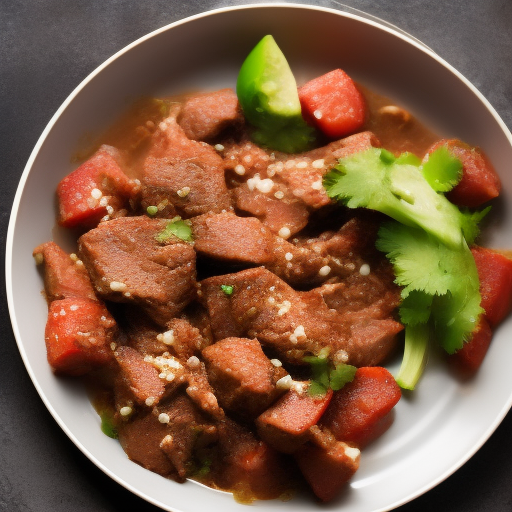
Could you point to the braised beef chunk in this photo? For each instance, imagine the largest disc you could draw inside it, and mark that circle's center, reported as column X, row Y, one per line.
column 140, row 375
column 64, row 275
column 200, row 390
column 227, row 237
column 182, row 176
column 303, row 173
column 182, row 338
column 171, row 433
column 263, row 306
column 242, row 376
column 127, row 264
column 274, row 213
column 205, row 116
column 292, row 323
column 247, row 465
column 142, row 332
column 245, row 159
column 299, row 266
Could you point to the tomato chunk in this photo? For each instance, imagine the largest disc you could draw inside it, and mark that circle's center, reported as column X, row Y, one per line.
column 327, row 468
column 469, row 358
column 285, row 425
column 78, row 336
column 95, row 189
column 495, row 273
column 360, row 411
column 479, row 182
column 333, row 104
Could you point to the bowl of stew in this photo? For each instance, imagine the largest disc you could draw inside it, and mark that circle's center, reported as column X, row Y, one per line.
column 413, row 97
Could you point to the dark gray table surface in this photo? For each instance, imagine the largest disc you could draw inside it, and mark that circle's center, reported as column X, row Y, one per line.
column 46, row 48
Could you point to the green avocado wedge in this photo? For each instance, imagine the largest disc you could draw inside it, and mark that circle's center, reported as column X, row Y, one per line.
column 267, row 92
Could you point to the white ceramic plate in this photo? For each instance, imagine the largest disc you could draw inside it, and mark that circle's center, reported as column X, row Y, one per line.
column 437, row 428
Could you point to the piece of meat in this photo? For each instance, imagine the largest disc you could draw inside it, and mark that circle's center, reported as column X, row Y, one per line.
column 248, row 466
column 360, row 411
column 127, row 264
column 164, row 438
column 242, row 376
column 182, row 338
column 78, row 336
column 327, row 464
column 285, row 425
column 229, row 238
column 246, row 241
column 274, row 212
column 181, row 176
column 303, row 173
column 64, row 275
column 263, row 306
column 205, row 116
column 140, row 375
column 245, row 159
column 292, row 323
column 300, row 267
column 142, row 332
column 200, row 390
column 96, row 189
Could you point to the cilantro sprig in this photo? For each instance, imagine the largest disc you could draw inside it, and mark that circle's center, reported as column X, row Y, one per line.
column 427, row 243
column 324, row 375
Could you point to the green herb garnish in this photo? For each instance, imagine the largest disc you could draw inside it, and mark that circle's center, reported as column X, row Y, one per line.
column 227, row 289
column 108, row 424
column 324, row 375
column 178, row 228
column 152, row 210
column 374, row 179
column 428, row 246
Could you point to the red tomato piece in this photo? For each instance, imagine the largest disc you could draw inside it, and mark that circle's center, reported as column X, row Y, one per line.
column 327, row 468
column 285, row 425
column 63, row 276
column 469, row 358
column 95, row 189
column 78, row 336
column 360, row 411
column 479, row 183
column 495, row 273
column 333, row 104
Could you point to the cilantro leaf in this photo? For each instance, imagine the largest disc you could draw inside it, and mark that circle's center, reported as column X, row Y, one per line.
column 371, row 179
column 178, row 228
column 341, row 375
column 470, row 221
column 437, row 277
column 442, row 170
column 324, row 375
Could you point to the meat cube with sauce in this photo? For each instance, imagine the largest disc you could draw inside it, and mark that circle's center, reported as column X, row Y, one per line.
column 205, row 116
column 243, row 378
column 182, row 176
column 127, row 264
